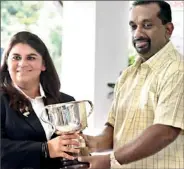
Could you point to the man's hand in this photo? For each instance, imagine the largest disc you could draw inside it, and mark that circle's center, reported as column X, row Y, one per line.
column 101, row 142
column 90, row 142
column 97, row 161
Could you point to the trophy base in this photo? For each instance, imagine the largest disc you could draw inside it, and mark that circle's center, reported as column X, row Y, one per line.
column 74, row 164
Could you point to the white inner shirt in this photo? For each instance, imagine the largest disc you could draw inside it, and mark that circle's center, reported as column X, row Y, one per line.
column 38, row 106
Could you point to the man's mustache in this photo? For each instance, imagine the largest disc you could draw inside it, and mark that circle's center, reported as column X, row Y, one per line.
column 141, row 39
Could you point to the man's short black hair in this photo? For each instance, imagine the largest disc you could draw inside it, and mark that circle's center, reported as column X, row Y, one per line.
column 165, row 13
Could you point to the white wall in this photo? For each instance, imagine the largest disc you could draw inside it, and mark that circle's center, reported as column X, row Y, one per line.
column 95, row 50
column 177, row 37
column 111, row 51
column 77, row 76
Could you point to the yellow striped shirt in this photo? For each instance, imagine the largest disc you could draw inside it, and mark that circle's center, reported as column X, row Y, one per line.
column 150, row 93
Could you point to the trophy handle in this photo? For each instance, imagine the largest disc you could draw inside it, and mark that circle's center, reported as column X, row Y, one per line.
column 47, row 121
column 91, row 104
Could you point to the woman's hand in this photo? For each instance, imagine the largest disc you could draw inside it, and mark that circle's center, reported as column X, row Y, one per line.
column 62, row 145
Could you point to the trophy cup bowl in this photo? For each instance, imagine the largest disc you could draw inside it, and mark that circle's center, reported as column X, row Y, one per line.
column 69, row 117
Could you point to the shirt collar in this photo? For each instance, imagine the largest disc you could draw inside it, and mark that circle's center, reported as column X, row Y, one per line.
column 157, row 60
column 42, row 93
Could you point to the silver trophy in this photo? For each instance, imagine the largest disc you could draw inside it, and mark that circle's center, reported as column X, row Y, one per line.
column 68, row 118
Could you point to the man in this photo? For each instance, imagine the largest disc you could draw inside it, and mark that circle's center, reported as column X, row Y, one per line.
column 145, row 125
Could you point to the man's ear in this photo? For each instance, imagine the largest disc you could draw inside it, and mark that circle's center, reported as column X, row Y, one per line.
column 169, row 29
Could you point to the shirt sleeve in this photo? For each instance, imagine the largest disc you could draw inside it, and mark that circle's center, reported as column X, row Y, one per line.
column 170, row 107
column 112, row 111
column 111, row 115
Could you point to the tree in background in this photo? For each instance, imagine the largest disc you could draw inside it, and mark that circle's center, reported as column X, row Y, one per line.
column 39, row 17
column 18, row 15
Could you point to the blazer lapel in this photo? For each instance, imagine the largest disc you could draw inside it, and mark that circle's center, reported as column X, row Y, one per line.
column 33, row 121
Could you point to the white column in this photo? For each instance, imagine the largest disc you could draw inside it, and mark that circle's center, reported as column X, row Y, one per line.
column 111, row 55
column 95, row 50
column 78, row 49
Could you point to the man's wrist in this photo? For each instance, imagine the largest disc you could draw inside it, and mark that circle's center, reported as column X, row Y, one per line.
column 113, row 161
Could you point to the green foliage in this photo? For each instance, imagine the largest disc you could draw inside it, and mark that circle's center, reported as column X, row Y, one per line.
column 131, row 60
column 55, row 37
column 21, row 12
column 34, row 16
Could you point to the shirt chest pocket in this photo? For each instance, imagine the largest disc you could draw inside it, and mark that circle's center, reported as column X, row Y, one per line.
column 148, row 101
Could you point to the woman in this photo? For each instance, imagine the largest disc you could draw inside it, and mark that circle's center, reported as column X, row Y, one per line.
column 28, row 82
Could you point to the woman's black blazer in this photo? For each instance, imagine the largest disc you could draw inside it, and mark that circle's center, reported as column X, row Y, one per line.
column 21, row 138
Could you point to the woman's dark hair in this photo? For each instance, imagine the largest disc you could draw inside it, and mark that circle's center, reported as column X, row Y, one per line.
column 49, row 78
column 164, row 14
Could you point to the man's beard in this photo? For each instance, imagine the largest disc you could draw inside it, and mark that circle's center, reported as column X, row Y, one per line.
column 142, row 45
